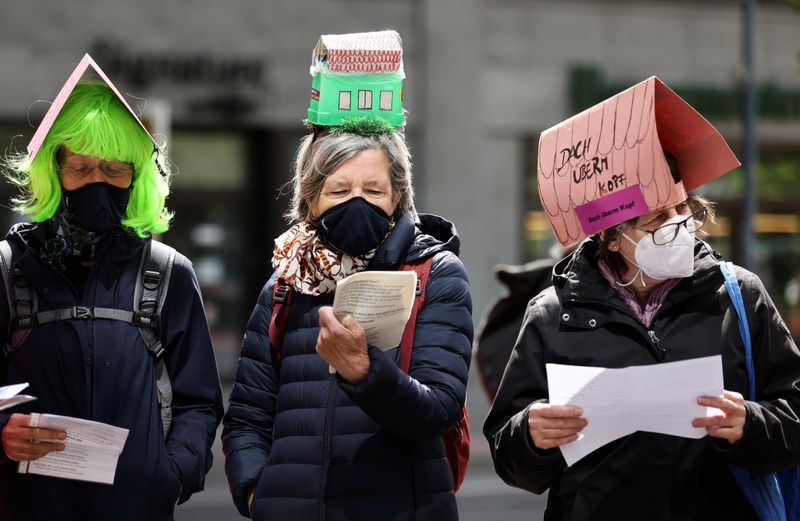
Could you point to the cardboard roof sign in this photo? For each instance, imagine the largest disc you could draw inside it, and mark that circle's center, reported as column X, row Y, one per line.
column 86, row 70
column 606, row 165
column 356, row 75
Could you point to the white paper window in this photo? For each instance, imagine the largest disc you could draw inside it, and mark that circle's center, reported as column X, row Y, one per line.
column 365, row 99
column 386, row 100
column 344, row 100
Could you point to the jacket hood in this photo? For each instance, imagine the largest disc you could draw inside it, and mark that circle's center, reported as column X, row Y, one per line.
column 28, row 234
column 410, row 241
column 525, row 278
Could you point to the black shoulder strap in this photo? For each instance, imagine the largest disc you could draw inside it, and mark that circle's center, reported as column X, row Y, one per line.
column 22, row 303
column 5, row 270
column 155, row 269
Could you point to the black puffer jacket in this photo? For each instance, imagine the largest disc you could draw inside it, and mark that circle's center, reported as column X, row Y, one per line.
column 317, row 448
column 101, row 370
column 582, row 321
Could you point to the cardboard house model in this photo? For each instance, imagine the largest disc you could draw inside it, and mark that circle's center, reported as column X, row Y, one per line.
column 359, row 74
column 606, row 165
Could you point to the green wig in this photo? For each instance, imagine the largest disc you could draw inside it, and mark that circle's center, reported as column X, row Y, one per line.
column 94, row 122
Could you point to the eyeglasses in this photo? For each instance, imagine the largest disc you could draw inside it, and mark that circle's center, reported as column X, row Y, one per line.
column 82, row 166
column 666, row 234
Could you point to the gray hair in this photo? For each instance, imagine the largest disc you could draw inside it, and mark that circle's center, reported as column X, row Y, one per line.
column 321, row 154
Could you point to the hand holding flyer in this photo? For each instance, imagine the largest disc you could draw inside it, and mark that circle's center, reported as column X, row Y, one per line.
column 90, row 454
column 380, row 301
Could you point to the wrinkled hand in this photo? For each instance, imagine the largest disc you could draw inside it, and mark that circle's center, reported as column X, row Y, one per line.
column 23, row 443
column 551, row 426
column 343, row 344
column 730, row 424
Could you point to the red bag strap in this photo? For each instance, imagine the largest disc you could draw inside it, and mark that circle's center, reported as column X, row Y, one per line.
column 281, row 298
column 422, row 269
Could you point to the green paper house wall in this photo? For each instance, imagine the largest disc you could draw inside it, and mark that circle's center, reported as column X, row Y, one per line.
column 359, row 74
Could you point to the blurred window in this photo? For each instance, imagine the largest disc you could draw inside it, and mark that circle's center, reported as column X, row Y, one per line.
column 386, row 100
column 364, row 99
column 344, row 100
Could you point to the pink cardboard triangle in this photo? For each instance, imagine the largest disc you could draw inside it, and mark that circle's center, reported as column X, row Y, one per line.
column 55, row 109
column 606, row 165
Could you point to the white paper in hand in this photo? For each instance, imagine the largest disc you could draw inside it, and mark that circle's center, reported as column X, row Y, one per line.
column 380, row 301
column 91, row 450
column 659, row 398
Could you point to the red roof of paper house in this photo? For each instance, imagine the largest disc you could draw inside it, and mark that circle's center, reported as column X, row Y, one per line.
column 376, row 52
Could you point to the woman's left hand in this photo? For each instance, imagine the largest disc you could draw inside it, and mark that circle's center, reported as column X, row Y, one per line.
column 730, row 424
column 343, row 344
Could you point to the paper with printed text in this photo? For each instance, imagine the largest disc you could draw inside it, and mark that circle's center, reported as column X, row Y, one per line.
column 91, row 450
column 380, row 301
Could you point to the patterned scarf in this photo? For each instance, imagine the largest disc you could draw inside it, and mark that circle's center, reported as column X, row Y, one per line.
column 65, row 240
column 308, row 265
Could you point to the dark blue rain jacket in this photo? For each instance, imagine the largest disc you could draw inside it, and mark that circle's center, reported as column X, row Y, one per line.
column 101, row 370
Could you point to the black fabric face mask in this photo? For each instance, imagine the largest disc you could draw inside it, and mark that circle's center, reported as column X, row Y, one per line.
column 96, row 207
column 354, row 227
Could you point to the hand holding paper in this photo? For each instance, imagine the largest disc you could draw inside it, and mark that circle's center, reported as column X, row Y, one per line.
column 369, row 308
column 24, row 442
column 343, row 344
column 660, row 398
column 90, row 450
column 380, row 301
column 551, row 426
column 730, row 424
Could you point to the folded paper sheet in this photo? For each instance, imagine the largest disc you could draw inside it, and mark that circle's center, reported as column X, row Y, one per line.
column 91, row 450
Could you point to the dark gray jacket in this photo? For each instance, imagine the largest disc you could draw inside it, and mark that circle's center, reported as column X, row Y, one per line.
column 582, row 321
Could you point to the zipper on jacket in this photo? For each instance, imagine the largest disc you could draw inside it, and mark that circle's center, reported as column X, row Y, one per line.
column 326, row 446
column 656, row 342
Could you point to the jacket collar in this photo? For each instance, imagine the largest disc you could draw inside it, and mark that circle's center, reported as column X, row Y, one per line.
column 411, row 241
column 578, row 277
column 31, row 236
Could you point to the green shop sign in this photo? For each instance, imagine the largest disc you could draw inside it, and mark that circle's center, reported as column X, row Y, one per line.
column 589, row 86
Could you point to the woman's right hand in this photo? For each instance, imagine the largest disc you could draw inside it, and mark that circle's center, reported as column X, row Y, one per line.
column 551, row 426
column 24, row 443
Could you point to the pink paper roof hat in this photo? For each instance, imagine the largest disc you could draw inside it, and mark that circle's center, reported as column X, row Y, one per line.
column 606, row 165
column 86, row 67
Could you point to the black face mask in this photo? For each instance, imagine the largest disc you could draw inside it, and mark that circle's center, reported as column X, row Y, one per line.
column 354, row 227
column 96, row 207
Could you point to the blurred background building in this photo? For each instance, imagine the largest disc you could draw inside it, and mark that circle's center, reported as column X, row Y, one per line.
column 227, row 84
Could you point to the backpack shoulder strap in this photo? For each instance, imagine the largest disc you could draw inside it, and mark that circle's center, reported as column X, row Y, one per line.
column 423, row 270
column 281, row 299
column 152, row 284
column 5, row 271
column 732, row 286
column 155, row 270
column 22, row 302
